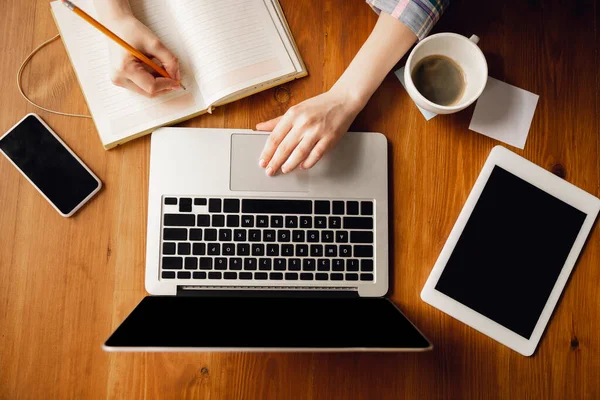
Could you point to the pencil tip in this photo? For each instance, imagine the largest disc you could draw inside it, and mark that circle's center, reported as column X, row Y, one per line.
column 183, row 87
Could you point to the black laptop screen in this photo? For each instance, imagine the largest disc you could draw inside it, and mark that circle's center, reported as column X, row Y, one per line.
column 228, row 322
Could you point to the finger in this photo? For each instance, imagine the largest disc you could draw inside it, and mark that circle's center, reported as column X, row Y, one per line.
column 148, row 82
column 316, row 154
column 302, row 150
column 168, row 60
column 285, row 148
column 275, row 138
column 268, row 125
column 127, row 84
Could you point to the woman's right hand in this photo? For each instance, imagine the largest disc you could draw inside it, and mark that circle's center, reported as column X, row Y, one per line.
column 131, row 73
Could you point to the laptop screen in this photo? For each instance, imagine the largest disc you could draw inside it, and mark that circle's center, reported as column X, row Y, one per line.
column 169, row 322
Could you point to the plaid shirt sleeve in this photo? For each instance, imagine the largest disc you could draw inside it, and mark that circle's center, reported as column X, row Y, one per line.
column 419, row 15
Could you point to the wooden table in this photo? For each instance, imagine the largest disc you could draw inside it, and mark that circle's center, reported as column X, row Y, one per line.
column 65, row 284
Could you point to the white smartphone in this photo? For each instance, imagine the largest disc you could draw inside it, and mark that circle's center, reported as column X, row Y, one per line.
column 49, row 164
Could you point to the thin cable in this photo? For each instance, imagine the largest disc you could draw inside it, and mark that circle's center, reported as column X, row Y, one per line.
column 20, row 86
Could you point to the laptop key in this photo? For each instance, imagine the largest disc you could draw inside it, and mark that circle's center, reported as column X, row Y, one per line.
column 298, row 236
column 361, row 237
column 233, row 221
column 316, row 250
column 210, row 234
column 218, row 220
column 351, row 277
column 268, row 235
column 283, row 235
column 341, row 237
column 264, row 264
column 235, row 264
column 225, row 235
column 231, row 205
column 322, row 276
column 363, row 251
column 228, row 249
column 268, row 206
column 301, row 250
column 168, row 275
column 305, row 222
column 203, row 220
column 327, row 236
column 280, row 264
column 184, row 275
column 294, row 264
column 172, row 262
column 179, row 220
column 352, row 207
column 214, row 275
column 309, row 264
column 168, row 248
column 239, row 235
column 366, row 277
column 185, row 204
column 243, row 249
column 260, row 275
column 230, row 275
column 322, row 207
column 291, row 276
column 206, row 263
column 291, row 222
column 330, row 250
column 276, row 221
column 337, row 265
column 245, row 275
column 199, row 275
column 276, row 276
column 220, row 263
column 191, row 263
column 200, row 202
column 196, row 234
column 345, row 250
column 199, row 249
column 335, row 222
column 320, row 222
column 214, row 205
column 170, row 200
column 312, row 236
column 254, row 235
column 258, row 249
column 366, row 208
column 306, row 276
column 358, row 222
column 250, row 264
column 214, row 249
column 174, row 234
column 262, row 221
column 287, row 250
column 366, row 265
column 352, row 265
column 273, row 250
column 248, row 221
column 184, row 249
column 336, row 277
column 323, row 264
column 337, row 207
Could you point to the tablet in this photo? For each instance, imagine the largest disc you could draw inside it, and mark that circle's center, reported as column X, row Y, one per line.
column 511, row 250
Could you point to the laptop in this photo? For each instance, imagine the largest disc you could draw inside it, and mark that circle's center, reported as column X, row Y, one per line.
column 238, row 261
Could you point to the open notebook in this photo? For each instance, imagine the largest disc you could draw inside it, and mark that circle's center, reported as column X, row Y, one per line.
column 228, row 49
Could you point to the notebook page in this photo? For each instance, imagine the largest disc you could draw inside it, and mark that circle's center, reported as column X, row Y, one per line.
column 118, row 112
column 232, row 44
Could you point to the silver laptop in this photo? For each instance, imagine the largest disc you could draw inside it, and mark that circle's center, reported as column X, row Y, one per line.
column 236, row 260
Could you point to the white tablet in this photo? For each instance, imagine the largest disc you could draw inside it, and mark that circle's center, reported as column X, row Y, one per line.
column 511, row 250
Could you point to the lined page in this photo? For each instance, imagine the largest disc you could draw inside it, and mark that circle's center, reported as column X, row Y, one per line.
column 118, row 112
column 232, row 45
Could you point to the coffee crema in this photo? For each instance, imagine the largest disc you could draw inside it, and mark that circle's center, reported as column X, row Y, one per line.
column 439, row 79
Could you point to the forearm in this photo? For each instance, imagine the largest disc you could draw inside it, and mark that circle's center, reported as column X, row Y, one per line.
column 385, row 46
column 113, row 9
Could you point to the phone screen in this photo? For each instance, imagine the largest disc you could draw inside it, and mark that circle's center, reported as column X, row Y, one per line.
column 48, row 164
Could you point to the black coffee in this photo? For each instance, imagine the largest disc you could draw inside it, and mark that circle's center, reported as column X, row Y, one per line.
column 439, row 79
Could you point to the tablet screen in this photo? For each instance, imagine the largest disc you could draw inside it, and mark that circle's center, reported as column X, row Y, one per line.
column 511, row 252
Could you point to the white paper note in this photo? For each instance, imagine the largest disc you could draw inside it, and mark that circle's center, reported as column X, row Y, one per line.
column 504, row 112
column 427, row 114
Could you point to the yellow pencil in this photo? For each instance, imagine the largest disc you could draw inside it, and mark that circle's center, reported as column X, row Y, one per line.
column 137, row 54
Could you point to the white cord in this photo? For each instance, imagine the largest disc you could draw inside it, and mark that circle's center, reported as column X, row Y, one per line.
column 19, row 85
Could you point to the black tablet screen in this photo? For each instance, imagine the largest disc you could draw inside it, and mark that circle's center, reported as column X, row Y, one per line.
column 511, row 252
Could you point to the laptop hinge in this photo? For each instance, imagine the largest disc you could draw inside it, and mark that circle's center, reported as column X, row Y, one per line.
column 267, row 291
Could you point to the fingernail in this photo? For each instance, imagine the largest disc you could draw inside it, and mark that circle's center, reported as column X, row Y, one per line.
column 269, row 171
column 262, row 163
column 284, row 170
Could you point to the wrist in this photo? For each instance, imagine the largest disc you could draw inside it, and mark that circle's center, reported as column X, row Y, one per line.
column 352, row 99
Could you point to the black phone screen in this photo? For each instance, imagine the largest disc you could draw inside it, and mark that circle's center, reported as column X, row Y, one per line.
column 48, row 164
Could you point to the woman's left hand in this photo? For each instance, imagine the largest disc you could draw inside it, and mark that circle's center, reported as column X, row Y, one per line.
column 306, row 131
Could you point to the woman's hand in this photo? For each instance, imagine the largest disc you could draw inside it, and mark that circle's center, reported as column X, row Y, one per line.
column 306, row 131
column 129, row 72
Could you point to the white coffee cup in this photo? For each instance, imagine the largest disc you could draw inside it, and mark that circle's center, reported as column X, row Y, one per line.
column 461, row 50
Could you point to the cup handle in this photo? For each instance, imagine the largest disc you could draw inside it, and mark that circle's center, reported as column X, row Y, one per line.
column 474, row 39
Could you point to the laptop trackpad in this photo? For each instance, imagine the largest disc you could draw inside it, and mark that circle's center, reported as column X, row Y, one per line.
column 247, row 175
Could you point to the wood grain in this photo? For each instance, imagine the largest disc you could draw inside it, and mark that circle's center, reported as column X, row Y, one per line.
column 65, row 284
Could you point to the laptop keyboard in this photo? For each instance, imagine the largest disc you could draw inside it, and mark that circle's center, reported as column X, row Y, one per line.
column 267, row 239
